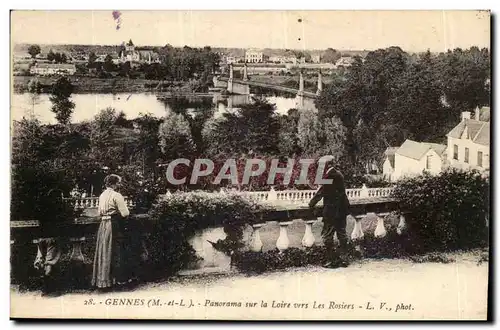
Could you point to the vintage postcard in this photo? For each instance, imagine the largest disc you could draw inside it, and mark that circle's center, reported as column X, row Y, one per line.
column 250, row 165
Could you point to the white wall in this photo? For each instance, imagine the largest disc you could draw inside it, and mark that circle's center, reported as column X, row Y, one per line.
column 387, row 169
column 473, row 150
column 404, row 166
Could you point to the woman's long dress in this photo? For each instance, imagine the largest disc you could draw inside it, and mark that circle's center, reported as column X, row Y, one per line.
column 107, row 270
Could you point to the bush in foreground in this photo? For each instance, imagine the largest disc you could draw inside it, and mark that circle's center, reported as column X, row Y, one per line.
column 446, row 211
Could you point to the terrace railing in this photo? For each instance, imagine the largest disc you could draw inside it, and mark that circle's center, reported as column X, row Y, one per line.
column 272, row 196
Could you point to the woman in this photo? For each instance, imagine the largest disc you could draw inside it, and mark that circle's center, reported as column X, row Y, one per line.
column 112, row 209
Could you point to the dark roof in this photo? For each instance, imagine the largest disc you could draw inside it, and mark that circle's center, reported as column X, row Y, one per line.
column 417, row 150
column 478, row 131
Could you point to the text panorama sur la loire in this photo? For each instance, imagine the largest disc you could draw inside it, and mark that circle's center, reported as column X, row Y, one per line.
column 276, row 304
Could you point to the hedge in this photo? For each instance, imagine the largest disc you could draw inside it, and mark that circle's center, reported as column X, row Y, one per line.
column 446, row 211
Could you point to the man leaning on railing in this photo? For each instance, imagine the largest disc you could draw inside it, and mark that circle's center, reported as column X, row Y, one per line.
column 335, row 211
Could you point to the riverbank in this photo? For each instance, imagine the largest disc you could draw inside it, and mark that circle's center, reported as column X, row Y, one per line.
column 86, row 85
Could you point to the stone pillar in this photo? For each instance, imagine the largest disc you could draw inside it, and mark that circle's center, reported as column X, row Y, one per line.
column 320, row 84
column 402, row 224
column 76, row 250
column 308, row 239
column 357, row 232
column 256, row 242
column 283, row 242
column 301, row 83
column 230, row 80
column 380, row 230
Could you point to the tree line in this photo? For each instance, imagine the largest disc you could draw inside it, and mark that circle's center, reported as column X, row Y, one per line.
column 382, row 100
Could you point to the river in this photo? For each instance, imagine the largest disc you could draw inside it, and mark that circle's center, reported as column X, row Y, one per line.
column 88, row 105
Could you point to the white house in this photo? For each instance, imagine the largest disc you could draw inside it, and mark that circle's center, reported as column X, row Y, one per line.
column 413, row 158
column 43, row 69
column 469, row 142
column 255, row 56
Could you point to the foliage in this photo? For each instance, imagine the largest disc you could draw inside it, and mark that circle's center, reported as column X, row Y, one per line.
column 180, row 215
column 446, row 211
column 56, row 57
column 310, row 132
column 34, row 50
column 331, row 56
column 259, row 262
column 288, row 133
column 391, row 96
column 175, row 137
column 44, row 159
column 62, row 105
column 253, row 129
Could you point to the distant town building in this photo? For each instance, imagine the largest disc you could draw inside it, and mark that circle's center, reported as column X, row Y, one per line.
column 44, row 69
column 345, row 61
column 316, row 58
column 413, row 158
column 255, row 56
column 131, row 54
column 469, row 142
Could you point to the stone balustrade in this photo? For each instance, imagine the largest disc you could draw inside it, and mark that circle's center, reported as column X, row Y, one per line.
column 281, row 228
column 303, row 196
column 272, row 196
column 91, row 202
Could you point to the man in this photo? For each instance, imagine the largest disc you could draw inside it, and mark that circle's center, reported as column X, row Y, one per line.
column 335, row 210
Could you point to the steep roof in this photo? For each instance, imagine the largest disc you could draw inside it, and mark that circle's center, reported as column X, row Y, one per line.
column 478, row 131
column 438, row 148
column 416, row 150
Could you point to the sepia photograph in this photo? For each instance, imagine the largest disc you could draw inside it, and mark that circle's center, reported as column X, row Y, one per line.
column 250, row 165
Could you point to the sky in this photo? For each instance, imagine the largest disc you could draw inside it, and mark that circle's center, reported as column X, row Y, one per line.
column 354, row 30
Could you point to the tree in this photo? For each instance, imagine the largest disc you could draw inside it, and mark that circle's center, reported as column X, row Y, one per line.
column 34, row 50
column 331, row 56
column 51, row 56
column 34, row 90
column 462, row 75
column 92, row 59
column 288, row 133
column 62, row 105
column 108, row 66
column 175, row 137
column 310, row 132
column 334, row 136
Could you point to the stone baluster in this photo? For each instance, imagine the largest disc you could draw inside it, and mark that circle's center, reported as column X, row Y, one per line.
column 283, row 242
column 272, row 195
column 402, row 224
column 357, row 232
column 364, row 192
column 256, row 243
column 76, row 250
column 380, row 229
column 308, row 239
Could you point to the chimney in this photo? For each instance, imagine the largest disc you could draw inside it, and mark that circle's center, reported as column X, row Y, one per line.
column 465, row 115
column 477, row 113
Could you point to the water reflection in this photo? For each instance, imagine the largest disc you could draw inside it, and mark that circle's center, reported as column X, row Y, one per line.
column 133, row 105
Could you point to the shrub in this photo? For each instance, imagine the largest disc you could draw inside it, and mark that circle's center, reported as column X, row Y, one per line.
column 180, row 215
column 446, row 211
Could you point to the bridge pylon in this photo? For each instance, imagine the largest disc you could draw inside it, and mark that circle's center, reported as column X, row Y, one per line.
column 320, row 84
column 245, row 72
column 230, row 80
